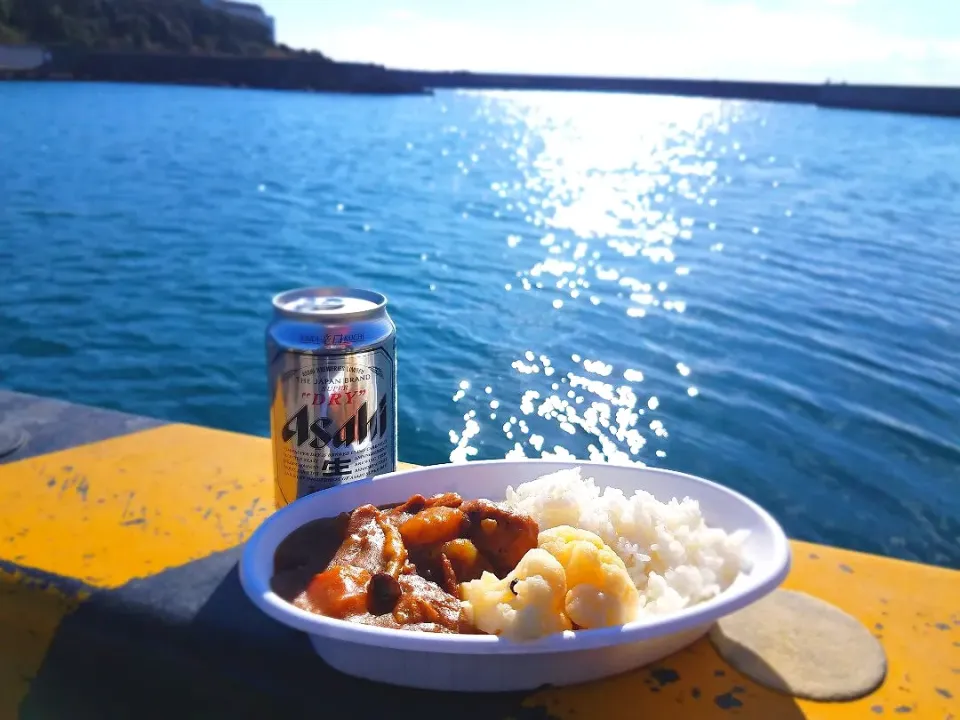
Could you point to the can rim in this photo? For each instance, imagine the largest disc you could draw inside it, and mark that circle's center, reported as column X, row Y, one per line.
column 373, row 296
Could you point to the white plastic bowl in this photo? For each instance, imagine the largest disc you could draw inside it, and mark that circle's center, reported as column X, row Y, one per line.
column 480, row 663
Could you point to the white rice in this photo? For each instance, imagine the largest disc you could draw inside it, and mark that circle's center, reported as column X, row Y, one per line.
column 673, row 557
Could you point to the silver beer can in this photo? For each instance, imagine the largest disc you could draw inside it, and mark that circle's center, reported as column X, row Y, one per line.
column 332, row 371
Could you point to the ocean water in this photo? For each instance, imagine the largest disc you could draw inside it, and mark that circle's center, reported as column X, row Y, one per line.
column 764, row 295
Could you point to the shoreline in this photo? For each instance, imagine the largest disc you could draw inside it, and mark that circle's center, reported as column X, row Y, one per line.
column 297, row 72
column 344, row 78
column 214, row 85
column 305, row 71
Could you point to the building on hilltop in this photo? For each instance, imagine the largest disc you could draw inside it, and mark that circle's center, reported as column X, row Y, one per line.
column 249, row 11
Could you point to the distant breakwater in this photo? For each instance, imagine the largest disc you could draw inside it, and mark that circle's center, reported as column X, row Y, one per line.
column 922, row 100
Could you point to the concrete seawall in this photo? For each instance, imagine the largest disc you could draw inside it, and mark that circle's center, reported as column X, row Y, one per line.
column 889, row 98
column 780, row 92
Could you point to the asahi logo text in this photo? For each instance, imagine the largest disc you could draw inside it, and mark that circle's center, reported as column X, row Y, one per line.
column 358, row 428
column 332, row 338
column 340, row 396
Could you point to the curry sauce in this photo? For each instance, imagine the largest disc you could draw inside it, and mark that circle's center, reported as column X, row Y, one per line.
column 401, row 566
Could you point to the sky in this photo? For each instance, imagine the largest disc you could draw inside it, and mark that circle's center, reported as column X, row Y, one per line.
column 871, row 41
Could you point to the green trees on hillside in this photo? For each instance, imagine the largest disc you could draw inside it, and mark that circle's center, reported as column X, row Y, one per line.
column 7, row 33
column 184, row 26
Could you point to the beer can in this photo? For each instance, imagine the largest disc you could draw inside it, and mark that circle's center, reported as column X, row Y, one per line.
column 332, row 372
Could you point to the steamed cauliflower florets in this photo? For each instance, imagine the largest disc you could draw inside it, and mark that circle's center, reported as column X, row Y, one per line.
column 600, row 592
column 525, row 605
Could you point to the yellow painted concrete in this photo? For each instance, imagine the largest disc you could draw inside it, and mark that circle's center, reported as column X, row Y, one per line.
column 115, row 510
column 30, row 613
column 913, row 609
column 134, row 505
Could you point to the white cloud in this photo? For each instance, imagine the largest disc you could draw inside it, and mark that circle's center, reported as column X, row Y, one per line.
column 400, row 14
column 693, row 38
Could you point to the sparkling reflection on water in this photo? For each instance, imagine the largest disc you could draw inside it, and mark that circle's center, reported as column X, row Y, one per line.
column 598, row 188
column 765, row 295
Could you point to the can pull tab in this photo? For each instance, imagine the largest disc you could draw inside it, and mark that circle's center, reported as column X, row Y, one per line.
column 328, row 303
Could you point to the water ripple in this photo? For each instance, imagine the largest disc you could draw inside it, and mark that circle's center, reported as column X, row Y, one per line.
column 761, row 294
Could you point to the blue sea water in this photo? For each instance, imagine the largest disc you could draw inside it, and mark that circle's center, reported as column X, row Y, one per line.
column 766, row 295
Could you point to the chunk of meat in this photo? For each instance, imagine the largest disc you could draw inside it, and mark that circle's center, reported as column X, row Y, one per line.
column 349, row 593
column 433, row 526
column 425, row 602
column 371, row 543
column 401, row 567
column 362, row 575
column 501, row 535
column 423, row 607
column 368, row 579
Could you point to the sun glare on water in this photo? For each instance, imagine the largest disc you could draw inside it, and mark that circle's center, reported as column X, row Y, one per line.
column 610, row 186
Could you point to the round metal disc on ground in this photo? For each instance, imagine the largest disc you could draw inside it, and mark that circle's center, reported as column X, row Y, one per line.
column 12, row 438
column 800, row 645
